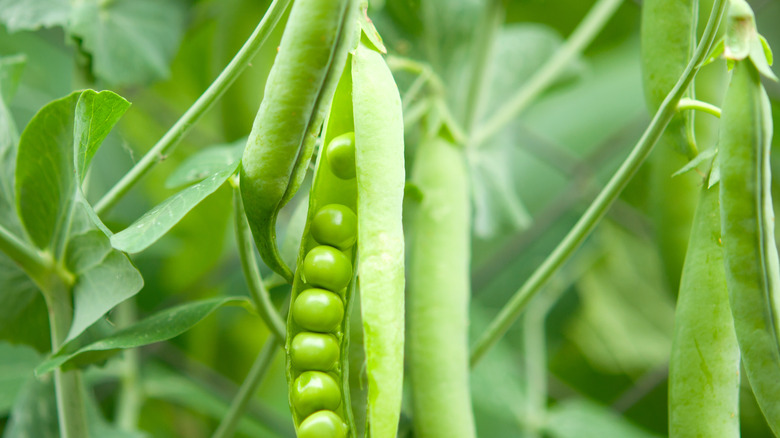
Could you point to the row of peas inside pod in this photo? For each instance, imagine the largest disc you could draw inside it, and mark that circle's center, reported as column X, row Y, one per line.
column 317, row 327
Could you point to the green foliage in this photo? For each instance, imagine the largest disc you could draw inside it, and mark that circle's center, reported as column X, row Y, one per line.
column 155, row 338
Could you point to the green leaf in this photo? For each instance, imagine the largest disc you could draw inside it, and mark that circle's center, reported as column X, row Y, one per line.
column 44, row 170
column 11, row 68
column 498, row 168
column 715, row 53
column 162, row 384
column 761, row 56
column 51, row 205
column 518, row 52
column 626, row 316
column 157, row 221
column 497, row 205
column 131, row 41
column 704, row 156
column 586, row 419
column 204, row 163
column 10, row 71
column 104, row 277
column 35, row 415
column 162, row 326
column 96, row 114
column 767, row 50
column 35, row 412
column 19, row 15
column 16, row 367
column 23, row 315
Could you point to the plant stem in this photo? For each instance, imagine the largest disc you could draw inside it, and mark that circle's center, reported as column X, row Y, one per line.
column 130, row 396
column 593, row 22
column 32, row 262
column 256, row 374
column 68, row 384
column 535, row 358
column 170, row 139
column 257, row 289
column 693, row 104
column 481, row 50
column 598, row 208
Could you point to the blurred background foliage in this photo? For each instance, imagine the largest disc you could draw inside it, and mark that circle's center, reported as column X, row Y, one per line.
column 595, row 344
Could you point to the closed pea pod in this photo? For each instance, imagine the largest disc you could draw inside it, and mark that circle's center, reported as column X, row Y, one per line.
column 704, row 364
column 747, row 219
column 750, row 254
column 439, row 293
column 379, row 158
column 300, row 85
column 667, row 35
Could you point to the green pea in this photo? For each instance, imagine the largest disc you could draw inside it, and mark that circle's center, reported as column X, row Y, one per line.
column 314, row 351
column 318, row 310
column 327, row 267
column 313, row 391
column 335, row 225
column 322, row 424
column 341, row 155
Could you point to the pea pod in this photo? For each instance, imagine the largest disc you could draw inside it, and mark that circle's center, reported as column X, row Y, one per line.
column 300, row 86
column 439, row 294
column 750, row 255
column 318, row 322
column 379, row 144
column 667, row 38
column 704, row 364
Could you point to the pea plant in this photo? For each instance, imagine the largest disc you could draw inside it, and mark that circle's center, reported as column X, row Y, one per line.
column 488, row 218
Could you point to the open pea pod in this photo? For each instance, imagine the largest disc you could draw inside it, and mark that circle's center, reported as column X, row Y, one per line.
column 299, row 89
column 354, row 221
column 318, row 323
column 747, row 223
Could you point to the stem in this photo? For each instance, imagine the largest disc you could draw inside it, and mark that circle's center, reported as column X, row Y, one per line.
column 256, row 374
column 535, row 355
column 693, row 104
column 593, row 22
column 399, row 63
column 34, row 263
column 414, row 89
column 170, row 139
column 130, row 396
column 68, row 385
column 481, row 50
column 598, row 208
column 257, row 289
